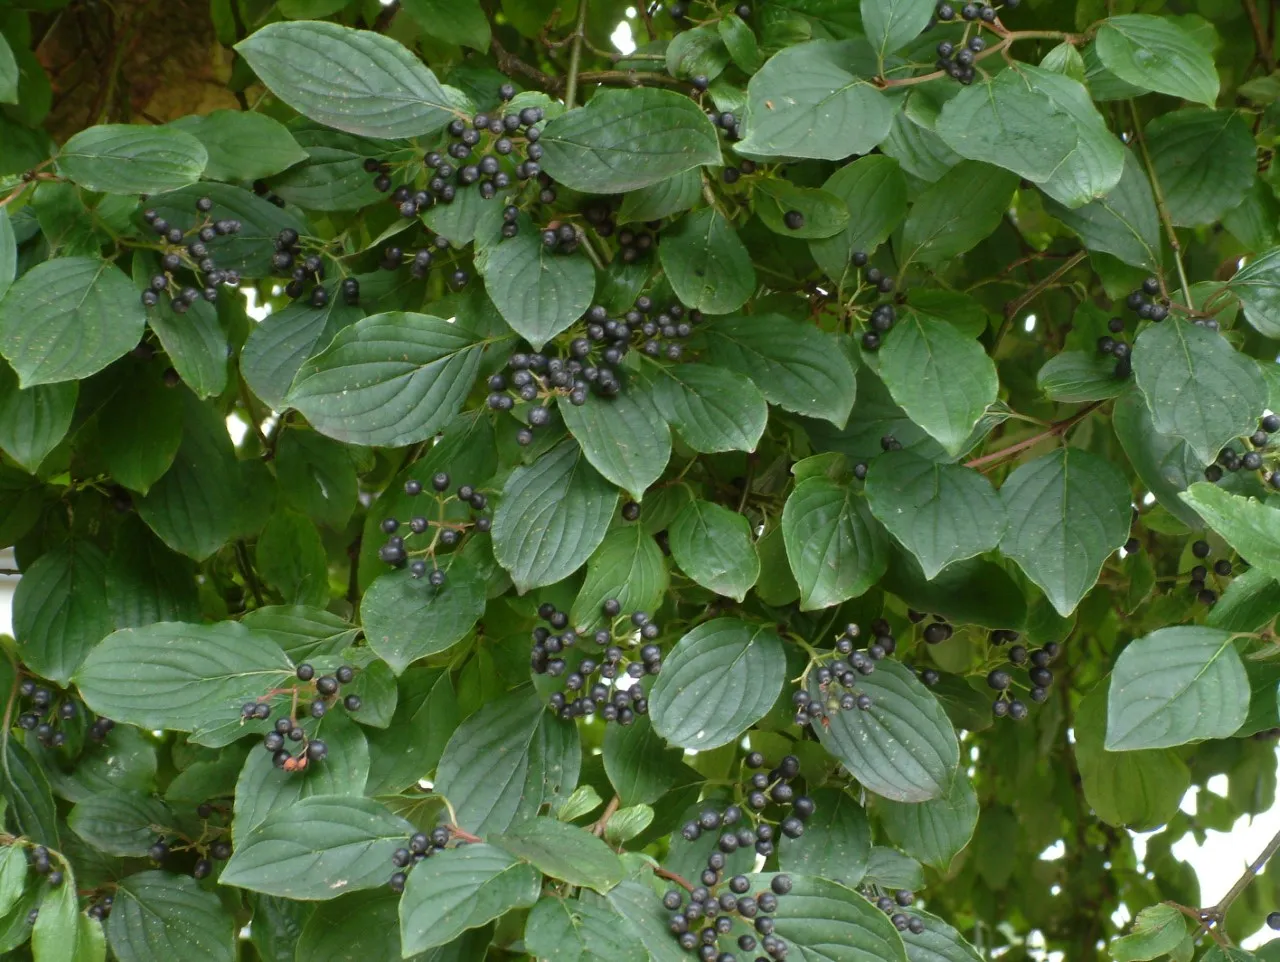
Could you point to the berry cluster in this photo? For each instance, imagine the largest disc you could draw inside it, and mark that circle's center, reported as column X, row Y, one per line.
column 1041, row 678
column 1252, row 460
column 634, row 245
column 837, row 679
column 709, row 911
column 1144, row 302
column 936, row 632
column 883, row 315
column 100, row 910
column 729, row 123
column 326, row 689
column 732, row 175
column 44, row 714
column 592, row 685
column 39, row 862
column 679, row 10
column 306, row 268
column 420, row 846
column 893, row 907
column 444, row 534
column 1222, row 568
column 160, row 851
column 560, row 238
column 421, row 260
column 984, row 12
column 958, row 62
column 189, row 250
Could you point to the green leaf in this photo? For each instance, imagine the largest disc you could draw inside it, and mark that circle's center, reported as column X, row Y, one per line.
column 939, row 512
column 828, row 922
column 719, row 680
column 627, row 139
column 640, row 766
column 697, row 51
column 318, row 848
column 1176, row 685
column 1257, row 285
column 805, row 102
column 68, row 318
column 33, row 421
column 564, row 852
column 623, row 437
column 178, row 676
column 836, row 843
column 903, row 748
column 1137, row 789
column 1250, row 601
column 8, row 252
column 1248, row 525
column 824, row 213
column 352, row 80
column 942, row 379
column 195, row 507
column 1154, row 53
column 1094, row 167
column 835, row 547
column 248, row 250
column 1205, row 161
column 60, row 609
column 939, row 942
column 56, row 933
column 317, row 476
column 891, row 24
column 937, row 830
column 291, row 558
column 1156, row 931
column 242, row 145
column 159, row 915
column 671, row 196
column 146, row 582
column 362, row 925
column 26, row 790
column 553, row 514
column 706, row 263
column 13, row 877
column 974, row 591
column 388, row 380
column 629, row 567
column 795, row 365
column 453, row 21
column 426, row 715
column 741, row 42
column 1197, row 386
column 952, row 215
column 462, row 888
column 302, row 632
column 1067, row 512
column 1124, row 222
column 331, row 175
column 195, row 344
column 577, row 931
column 281, row 342
column 1075, row 377
column 407, row 618
column 263, row 789
column 713, row 409
column 1254, row 223
column 120, row 823
column 140, row 429
column 1008, row 122
column 8, row 74
column 874, row 191
column 537, row 291
column 712, row 545
column 1164, row 464
column 132, row 159
column 644, row 919
column 505, row 761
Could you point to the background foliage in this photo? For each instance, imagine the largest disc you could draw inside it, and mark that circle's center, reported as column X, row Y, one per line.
column 961, row 332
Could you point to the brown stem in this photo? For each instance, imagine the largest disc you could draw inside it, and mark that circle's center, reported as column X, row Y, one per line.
column 246, row 571
column 1012, row 308
column 1057, row 429
column 1215, row 914
column 680, row 880
column 1259, row 35
column 599, row 827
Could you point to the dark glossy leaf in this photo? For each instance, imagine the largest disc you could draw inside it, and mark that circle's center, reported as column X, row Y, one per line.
column 572, row 930
column 158, row 916
column 317, row 476
column 282, row 341
column 874, row 192
column 1077, row 376
column 426, row 715
column 195, row 344
column 902, row 748
column 706, row 263
column 132, row 159
column 836, row 843
column 1154, row 53
column 26, row 790
column 934, row 831
column 640, row 766
column 1124, row 222
column 962, row 208
column 627, row 139
column 139, row 431
column 564, row 852
column 718, row 680
column 407, row 618
column 1205, row 163
column 890, row 24
column 33, row 421
column 939, row 942
column 248, row 250
column 628, row 567
column 1164, row 464
column 352, row 80
column 1249, row 526
column 828, row 922
column 538, row 291
column 120, row 823
column 712, row 409
column 625, row 437
column 242, row 145
column 60, row 609
column 712, row 545
column 823, row 214
column 460, row 22
column 836, row 549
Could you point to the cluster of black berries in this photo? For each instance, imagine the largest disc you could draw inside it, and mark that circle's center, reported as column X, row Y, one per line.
column 936, row 632
column 421, row 260
column 100, row 910
column 1041, row 678
column 1120, row 350
column 837, row 680
column 732, row 175
column 882, row 316
column 727, row 122
column 707, row 912
column 893, row 906
column 985, row 12
column 191, row 250
column 326, row 689
column 679, row 10
column 38, row 861
column 420, row 846
column 476, row 154
column 560, row 239
column 592, row 685
column 303, row 269
column 957, row 62
column 1230, row 459
column 202, row 867
column 634, row 245
column 444, row 534
column 1143, row 302
column 43, row 714
column 1222, row 568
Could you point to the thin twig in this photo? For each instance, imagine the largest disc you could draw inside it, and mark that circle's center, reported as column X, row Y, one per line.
column 1012, row 309
column 1215, row 914
column 1057, row 429
column 1163, row 208
column 1259, row 35
column 600, row 825
column 11, row 572
column 680, row 880
column 575, row 57
column 246, row 571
